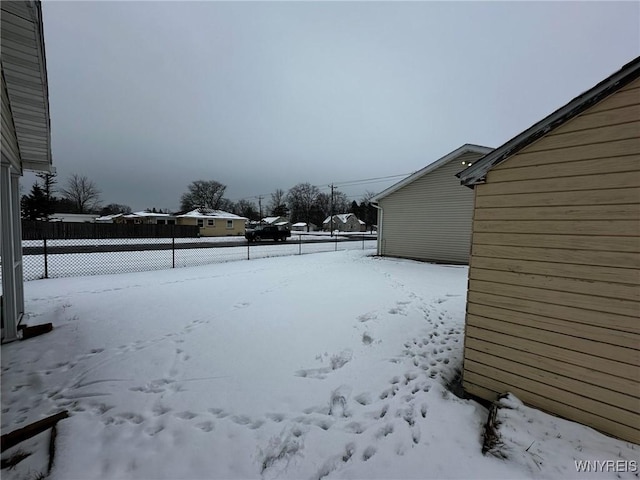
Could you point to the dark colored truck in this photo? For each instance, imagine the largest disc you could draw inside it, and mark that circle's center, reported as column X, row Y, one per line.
column 267, row 232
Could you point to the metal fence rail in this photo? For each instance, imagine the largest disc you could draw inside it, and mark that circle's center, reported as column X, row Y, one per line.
column 76, row 257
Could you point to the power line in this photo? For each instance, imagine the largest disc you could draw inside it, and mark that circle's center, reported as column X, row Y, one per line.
column 369, row 180
column 346, row 183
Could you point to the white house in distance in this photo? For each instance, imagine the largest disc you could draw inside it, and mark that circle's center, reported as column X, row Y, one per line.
column 344, row 222
column 147, row 218
column 427, row 216
column 142, row 217
column 26, row 140
column 73, row 217
column 304, row 227
column 279, row 221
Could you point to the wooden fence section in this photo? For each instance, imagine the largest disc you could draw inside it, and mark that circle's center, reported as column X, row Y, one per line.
column 35, row 230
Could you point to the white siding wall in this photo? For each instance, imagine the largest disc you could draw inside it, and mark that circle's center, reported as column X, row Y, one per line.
column 10, row 151
column 430, row 218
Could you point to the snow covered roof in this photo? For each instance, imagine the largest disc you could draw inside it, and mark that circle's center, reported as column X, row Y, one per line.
column 275, row 220
column 146, row 214
column 109, row 217
column 299, row 224
column 343, row 217
column 209, row 213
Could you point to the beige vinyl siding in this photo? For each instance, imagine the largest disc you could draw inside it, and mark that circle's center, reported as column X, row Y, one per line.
column 430, row 218
column 218, row 229
column 10, row 150
column 554, row 281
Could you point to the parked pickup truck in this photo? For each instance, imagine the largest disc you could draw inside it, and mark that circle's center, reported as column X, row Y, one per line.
column 267, row 232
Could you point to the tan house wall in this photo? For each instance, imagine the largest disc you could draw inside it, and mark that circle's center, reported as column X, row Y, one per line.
column 553, row 305
column 430, row 218
column 219, row 229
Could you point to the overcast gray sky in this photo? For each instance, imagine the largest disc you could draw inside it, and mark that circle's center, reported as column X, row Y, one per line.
column 146, row 97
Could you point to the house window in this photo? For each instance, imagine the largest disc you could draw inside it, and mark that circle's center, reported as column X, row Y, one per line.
column 200, row 222
column 171, row 222
column 211, row 222
column 229, row 224
column 161, row 222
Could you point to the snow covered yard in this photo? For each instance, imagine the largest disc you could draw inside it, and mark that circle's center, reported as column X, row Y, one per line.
column 330, row 365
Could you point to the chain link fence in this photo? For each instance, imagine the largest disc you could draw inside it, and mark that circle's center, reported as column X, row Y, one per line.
column 53, row 258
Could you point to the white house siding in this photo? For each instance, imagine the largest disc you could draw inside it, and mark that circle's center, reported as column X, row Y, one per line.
column 554, row 281
column 25, row 142
column 10, row 151
column 430, row 218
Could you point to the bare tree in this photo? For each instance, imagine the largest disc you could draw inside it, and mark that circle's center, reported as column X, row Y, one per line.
column 302, row 199
column 340, row 202
column 204, row 194
column 368, row 213
column 367, row 197
column 278, row 204
column 82, row 192
column 246, row 208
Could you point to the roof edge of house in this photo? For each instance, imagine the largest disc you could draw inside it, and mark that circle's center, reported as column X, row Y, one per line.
column 467, row 147
column 476, row 173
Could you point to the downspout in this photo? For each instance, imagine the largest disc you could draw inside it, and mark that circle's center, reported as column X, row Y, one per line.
column 380, row 218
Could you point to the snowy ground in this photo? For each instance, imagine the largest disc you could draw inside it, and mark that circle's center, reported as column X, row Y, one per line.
column 330, row 365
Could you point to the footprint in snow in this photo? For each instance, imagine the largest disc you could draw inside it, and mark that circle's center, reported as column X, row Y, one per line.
column 186, row 415
column 205, row 426
column 276, row 417
column 369, row 452
column 365, row 317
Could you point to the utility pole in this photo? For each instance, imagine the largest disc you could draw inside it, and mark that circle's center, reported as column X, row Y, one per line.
column 331, row 210
column 260, row 206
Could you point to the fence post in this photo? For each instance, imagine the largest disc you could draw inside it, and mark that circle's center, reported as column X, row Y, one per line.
column 46, row 261
column 299, row 244
column 363, row 240
column 336, row 246
column 248, row 247
column 173, row 246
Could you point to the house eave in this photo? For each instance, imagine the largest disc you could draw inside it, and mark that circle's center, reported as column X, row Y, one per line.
column 25, row 73
column 477, row 172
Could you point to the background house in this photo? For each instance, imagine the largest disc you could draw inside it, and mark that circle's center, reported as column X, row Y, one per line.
column 280, row 221
column 213, row 223
column 113, row 218
column 553, row 304
column 73, row 217
column 427, row 216
column 26, row 140
column 147, row 218
column 304, row 227
column 344, row 222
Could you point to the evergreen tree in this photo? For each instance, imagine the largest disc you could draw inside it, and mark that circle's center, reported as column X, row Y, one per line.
column 35, row 205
